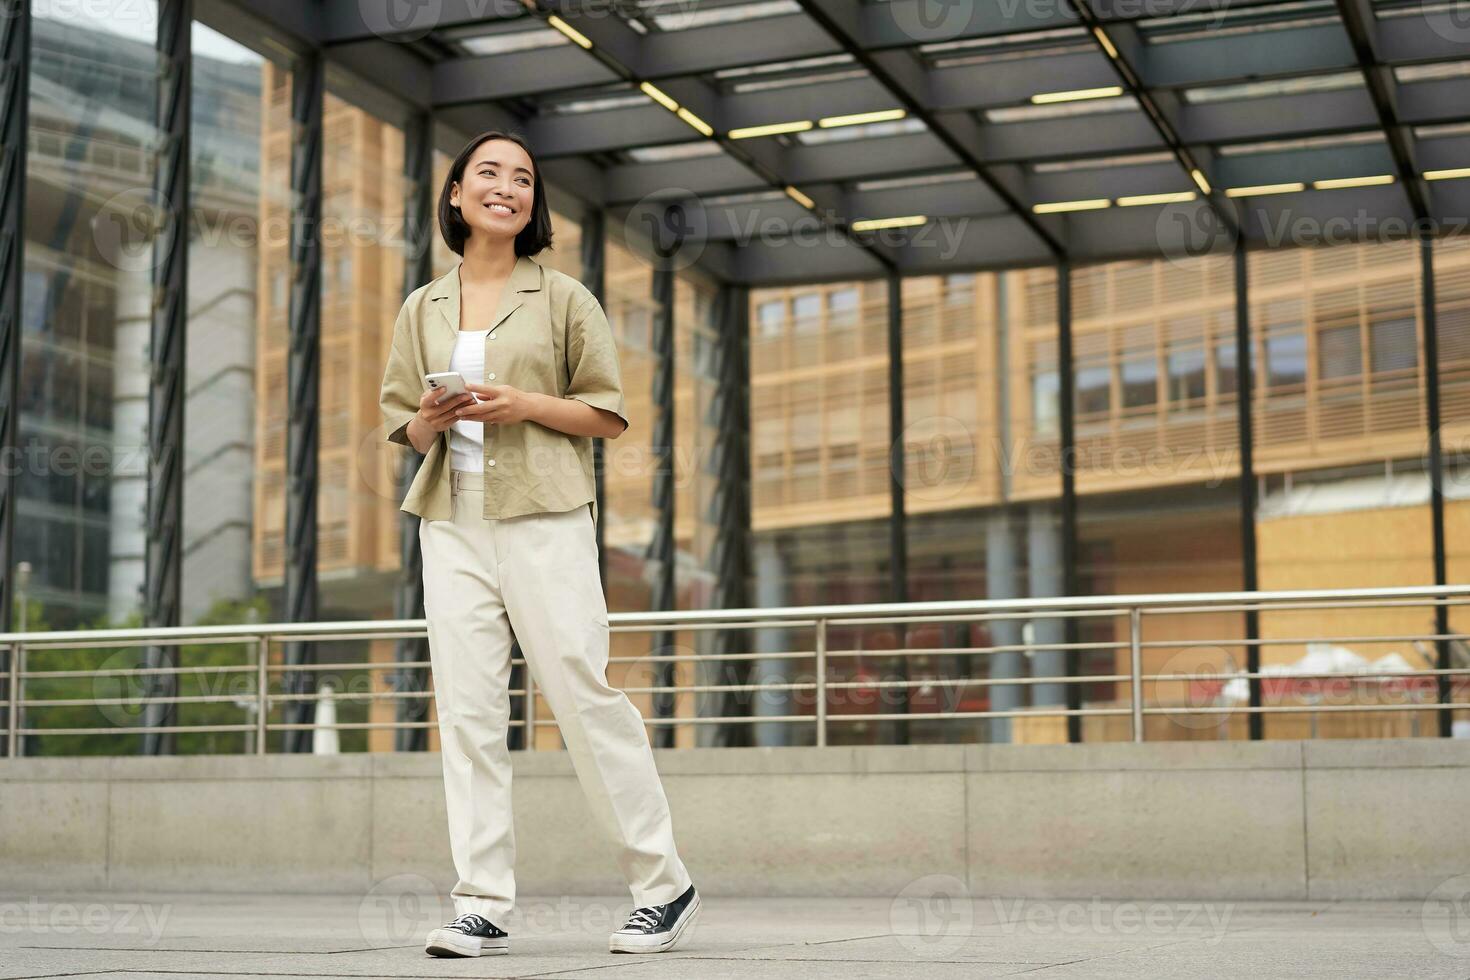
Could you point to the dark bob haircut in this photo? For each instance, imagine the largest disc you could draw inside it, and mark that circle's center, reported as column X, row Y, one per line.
column 532, row 238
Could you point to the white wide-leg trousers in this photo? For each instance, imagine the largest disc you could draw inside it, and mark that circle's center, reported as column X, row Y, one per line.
column 535, row 578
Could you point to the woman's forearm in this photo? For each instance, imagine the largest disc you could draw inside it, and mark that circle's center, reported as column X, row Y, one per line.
column 421, row 434
column 576, row 418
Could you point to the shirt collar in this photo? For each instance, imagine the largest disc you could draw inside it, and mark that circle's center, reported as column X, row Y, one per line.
column 445, row 293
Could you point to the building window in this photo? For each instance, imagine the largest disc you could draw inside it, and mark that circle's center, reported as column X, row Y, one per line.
column 772, row 317
column 1227, row 380
column 1339, row 352
column 959, row 289
column 842, row 307
column 1395, row 346
column 1286, row 358
column 1186, row 375
column 1045, row 391
column 1138, row 380
column 1093, row 389
column 637, row 328
column 806, row 313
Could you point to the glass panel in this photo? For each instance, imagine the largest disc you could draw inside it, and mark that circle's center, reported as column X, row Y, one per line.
column 981, row 483
column 81, row 476
column 1186, row 376
column 821, row 497
column 1452, row 316
column 1157, row 491
column 699, row 488
column 88, row 266
column 1344, row 500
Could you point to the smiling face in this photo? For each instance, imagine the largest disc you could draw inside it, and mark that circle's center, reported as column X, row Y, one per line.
column 496, row 191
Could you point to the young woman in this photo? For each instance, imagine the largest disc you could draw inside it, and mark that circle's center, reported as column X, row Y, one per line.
column 506, row 506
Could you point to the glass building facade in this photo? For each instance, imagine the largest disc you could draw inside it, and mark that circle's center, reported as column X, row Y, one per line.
column 1337, row 412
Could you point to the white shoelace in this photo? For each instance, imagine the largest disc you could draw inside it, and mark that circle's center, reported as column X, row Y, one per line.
column 645, row 917
column 468, row 919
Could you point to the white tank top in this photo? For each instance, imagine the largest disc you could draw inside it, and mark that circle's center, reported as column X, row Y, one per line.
column 467, row 439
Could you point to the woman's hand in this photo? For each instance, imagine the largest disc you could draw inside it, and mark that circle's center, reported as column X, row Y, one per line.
column 433, row 417
column 498, row 404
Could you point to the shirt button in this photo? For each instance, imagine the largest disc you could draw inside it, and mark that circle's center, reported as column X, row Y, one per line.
column 492, row 462
column 491, row 376
column 492, row 336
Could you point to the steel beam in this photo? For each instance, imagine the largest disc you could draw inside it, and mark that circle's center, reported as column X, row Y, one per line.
column 1245, row 436
column 729, row 563
column 303, row 399
column 661, row 547
column 594, row 277
column 15, row 74
column 1433, row 408
column 408, row 596
column 164, row 521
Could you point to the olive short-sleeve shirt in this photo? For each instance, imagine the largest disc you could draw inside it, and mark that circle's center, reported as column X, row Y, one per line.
column 549, row 335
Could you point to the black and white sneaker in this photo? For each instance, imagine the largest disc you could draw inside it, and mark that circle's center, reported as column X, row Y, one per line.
column 468, row 935
column 656, row 928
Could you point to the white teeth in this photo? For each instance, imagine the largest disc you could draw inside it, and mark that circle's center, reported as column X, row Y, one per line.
column 499, row 207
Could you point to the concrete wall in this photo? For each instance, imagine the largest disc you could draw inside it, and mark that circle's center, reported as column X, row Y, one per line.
column 1188, row 820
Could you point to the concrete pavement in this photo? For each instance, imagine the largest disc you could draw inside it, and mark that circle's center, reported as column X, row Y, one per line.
column 927, row 931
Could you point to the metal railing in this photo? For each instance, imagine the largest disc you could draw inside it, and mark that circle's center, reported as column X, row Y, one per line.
column 1133, row 610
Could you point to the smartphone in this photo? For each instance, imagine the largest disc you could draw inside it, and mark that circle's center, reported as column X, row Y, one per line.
column 450, row 383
